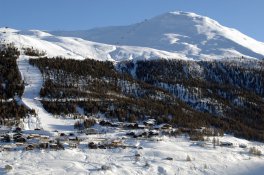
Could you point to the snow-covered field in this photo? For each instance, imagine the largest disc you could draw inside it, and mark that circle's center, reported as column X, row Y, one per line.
column 152, row 160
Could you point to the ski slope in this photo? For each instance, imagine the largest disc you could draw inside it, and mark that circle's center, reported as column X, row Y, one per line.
column 33, row 82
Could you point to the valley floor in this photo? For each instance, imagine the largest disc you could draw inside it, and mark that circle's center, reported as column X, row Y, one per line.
column 152, row 160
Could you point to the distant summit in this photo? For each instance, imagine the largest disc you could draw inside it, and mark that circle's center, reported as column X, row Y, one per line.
column 173, row 35
column 195, row 36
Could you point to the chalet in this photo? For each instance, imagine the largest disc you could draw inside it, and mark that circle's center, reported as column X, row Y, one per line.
column 138, row 135
column 137, row 155
column 89, row 131
column 150, row 122
column 130, row 134
column 226, row 144
column 153, row 133
column 62, row 134
column 141, row 126
column 63, row 138
column 20, row 143
column 72, row 145
column 114, row 125
column 116, row 142
column 44, row 138
column 44, row 145
column 51, row 140
column 101, row 146
column 17, row 135
column 131, row 125
column 242, row 146
column 92, row 145
column 7, row 147
column 5, row 138
column 169, row 158
column 163, row 126
column 74, row 139
column 120, row 124
column 144, row 133
column 33, row 136
column 71, row 134
column 105, row 123
column 20, row 139
column 29, row 147
column 54, row 146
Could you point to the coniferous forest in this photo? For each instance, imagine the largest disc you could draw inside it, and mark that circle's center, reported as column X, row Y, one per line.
column 11, row 87
column 221, row 94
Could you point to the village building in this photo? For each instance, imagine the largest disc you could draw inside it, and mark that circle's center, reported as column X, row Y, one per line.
column 163, row 126
column 226, row 144
column 44, row 145
column 89, row 131
column 150, row 122
column 29, row 147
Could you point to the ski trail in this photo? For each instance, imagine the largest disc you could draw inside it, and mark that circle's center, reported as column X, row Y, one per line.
column 33, row 83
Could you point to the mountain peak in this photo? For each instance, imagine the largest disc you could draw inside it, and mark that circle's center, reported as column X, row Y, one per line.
column 171, row 35
column 195, row 36
column 186, row 14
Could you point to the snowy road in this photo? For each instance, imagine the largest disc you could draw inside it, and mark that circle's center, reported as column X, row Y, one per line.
column 33, row 83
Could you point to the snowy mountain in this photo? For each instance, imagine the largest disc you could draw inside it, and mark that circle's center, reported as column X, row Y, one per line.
column 189, row 34
column 69, row 47
column 175, row 35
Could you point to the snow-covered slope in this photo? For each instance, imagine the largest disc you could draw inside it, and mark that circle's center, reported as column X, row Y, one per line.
column 33, row 79
column 77, row 48
column 189, row 34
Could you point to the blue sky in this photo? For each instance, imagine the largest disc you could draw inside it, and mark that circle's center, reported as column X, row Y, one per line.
column 244, row 15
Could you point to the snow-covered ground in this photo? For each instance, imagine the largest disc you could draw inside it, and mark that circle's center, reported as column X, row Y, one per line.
column 152, row 159
column 33, row 83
